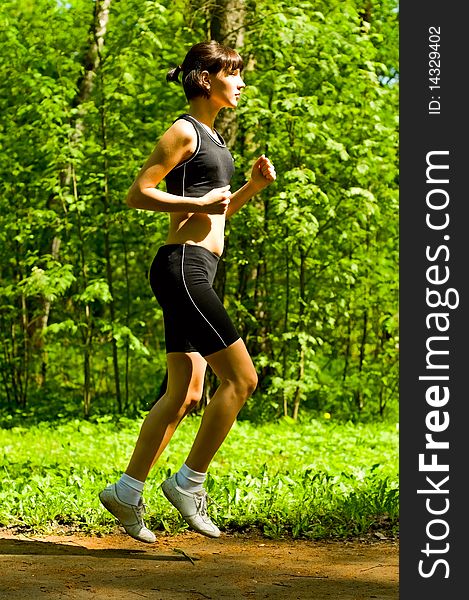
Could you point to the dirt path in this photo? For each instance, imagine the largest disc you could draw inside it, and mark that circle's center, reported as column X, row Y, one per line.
column 190, row 567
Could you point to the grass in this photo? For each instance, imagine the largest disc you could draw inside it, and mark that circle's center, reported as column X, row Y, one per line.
column 314, row 479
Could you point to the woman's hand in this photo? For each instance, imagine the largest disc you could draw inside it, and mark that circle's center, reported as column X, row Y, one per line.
column 263, row 173
column 216, row 201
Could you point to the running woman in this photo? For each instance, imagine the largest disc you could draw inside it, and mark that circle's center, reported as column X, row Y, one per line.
column 197, row 167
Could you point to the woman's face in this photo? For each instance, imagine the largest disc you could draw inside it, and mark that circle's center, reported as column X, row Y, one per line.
column 226, row 87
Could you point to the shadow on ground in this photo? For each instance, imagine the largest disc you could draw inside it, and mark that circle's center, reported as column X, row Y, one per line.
column 189, row 566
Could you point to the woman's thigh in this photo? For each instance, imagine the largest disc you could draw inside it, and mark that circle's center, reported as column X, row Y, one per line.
column 234, row 364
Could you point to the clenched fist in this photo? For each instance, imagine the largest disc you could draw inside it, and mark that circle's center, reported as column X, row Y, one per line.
column 263, row 172
column 216, row 201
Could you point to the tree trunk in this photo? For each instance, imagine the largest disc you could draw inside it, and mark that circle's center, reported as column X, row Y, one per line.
column 363, row 342
column 285, row 343
column 301, row 328
column 127, row 316
column 227, row 27
column 358, row 392
column 348, row 345
column 90, row 63
column 107, row 253
column 301, row 372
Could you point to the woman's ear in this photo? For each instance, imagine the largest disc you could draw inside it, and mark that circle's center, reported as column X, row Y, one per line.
column 206, row 81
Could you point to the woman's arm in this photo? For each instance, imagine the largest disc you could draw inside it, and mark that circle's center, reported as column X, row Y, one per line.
column 177, row 144
column 262, row 175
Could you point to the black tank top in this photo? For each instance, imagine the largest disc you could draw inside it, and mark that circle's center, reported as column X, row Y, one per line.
column 211, row 166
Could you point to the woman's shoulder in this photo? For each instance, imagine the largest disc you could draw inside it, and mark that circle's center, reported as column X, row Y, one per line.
column 180, row 134
column 183, row 128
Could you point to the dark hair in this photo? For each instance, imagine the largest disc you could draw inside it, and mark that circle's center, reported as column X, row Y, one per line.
column 206, row 56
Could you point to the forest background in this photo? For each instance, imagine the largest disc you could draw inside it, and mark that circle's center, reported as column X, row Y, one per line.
column 309, row 272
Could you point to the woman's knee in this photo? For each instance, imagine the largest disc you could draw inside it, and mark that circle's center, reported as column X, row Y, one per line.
column 245, row 384
column 251, row 382
column 192, row 400
column 234, row 368
column 179, row 405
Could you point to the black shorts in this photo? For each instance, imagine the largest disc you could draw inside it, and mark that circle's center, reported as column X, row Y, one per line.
column 195, row 320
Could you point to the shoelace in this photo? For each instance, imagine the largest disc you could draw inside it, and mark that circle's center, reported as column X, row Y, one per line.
column 202, row 503
column 141, row 508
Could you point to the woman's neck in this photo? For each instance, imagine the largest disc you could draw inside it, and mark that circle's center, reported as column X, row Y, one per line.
column 200, row 109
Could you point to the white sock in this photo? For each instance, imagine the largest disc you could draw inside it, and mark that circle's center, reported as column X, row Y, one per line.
column 129, row 490
column 189, row 480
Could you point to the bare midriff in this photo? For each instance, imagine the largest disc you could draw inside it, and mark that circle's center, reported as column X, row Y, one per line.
column 199, row 229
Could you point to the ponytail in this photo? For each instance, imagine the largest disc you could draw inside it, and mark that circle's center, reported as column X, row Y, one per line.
column 173, row 74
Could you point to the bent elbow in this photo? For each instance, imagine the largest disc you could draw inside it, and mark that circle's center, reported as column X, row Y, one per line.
column 130, row 199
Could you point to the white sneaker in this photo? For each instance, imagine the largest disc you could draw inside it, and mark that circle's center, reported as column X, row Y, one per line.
column 192, row 506
column 130, row 516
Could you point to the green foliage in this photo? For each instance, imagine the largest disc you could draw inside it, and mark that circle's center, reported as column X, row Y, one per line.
column 325, row 236
column 313, row 479
column 311, row 263
column 50, row 283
